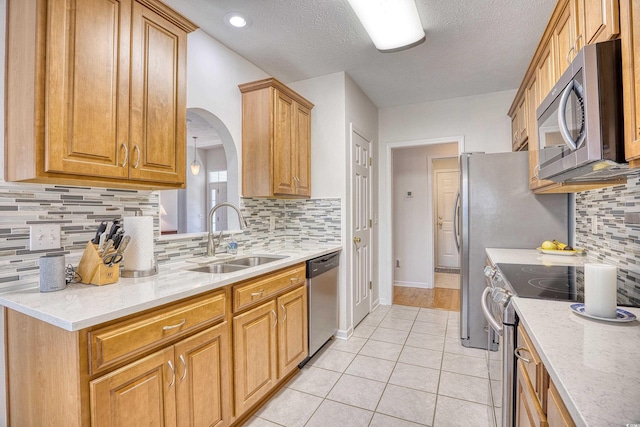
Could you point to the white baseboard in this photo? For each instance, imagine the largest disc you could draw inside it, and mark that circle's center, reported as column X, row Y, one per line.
column 344, row 335
column 385, row 301
column 422, row 285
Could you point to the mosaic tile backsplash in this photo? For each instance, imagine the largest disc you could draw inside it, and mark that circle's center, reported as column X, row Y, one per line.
column 614, row 241
column 79, row 210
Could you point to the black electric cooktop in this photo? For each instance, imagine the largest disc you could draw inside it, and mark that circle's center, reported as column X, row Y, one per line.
column 564, row 282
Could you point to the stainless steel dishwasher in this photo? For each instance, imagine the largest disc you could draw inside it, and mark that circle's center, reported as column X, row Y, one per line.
column 322, row 283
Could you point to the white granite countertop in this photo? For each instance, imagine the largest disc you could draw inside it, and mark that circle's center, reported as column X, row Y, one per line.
column 80, row 306
column 594, row 364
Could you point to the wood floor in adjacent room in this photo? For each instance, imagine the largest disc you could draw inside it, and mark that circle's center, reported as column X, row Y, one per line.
column 445, row 297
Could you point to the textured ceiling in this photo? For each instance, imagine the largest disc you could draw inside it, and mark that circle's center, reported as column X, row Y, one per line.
column 472, row 46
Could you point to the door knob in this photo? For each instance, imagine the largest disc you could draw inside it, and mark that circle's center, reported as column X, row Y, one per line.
column 440, row 224
column 439, row 217
column 357, row 240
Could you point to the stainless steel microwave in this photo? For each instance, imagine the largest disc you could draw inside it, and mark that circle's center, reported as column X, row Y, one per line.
column 580, row 122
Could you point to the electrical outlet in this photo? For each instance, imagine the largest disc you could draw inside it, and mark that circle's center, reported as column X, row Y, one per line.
column 272, row 223
column 45, row 236
column 397, row 263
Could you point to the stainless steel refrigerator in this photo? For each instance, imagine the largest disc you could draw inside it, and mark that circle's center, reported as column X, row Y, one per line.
column 496, row 209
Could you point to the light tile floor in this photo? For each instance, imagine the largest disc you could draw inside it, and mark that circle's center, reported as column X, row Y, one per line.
column 403, row 366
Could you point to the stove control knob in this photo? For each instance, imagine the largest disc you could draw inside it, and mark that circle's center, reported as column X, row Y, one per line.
column 501, row 297
column 490, row 271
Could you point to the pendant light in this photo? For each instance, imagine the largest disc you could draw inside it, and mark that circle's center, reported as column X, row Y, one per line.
column 195, row 165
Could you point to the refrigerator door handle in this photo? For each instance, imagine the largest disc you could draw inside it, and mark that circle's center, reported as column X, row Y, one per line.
column 456, row 214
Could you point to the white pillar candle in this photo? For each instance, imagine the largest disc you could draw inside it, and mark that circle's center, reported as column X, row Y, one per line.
column 600, row 290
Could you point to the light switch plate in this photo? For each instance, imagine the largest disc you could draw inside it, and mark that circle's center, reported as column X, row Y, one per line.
column 45, row 236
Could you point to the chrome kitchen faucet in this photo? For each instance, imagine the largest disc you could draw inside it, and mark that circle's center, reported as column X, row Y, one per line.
column 211, row 245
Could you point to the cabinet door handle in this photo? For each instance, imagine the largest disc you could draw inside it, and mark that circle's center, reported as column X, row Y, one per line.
column 177, row 325
column 173, row 373
column 575, row 44
column 516, row 352
column 184, row 365
column 275, row 316
column 136, row 148
column 126, row 154
column 284, row 311
column 257, row 294
column 568, row 52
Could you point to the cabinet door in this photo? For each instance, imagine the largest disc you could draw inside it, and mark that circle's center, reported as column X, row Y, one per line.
column 87, row 104
column 545, row 72
column 599, row 20
column 284, row 153
column 303, row 148
column 142, row 393
column 293, row 345
column 557, row 413
column 522, row 120
column 630, row 41
column 515, row 142
column 528, row 410
column 158, row 102
column 564, row 40
column 203, row 378
column 254, row 355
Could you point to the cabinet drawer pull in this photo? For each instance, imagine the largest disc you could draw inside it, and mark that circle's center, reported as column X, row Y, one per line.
column 257, row 294
column 184, row 365
column 275, row 316
column 294, row 279
column 136, row 148
column 177, row 325
column 173, row 373
column 126, row 154
column 284, row 311
column 516, row 352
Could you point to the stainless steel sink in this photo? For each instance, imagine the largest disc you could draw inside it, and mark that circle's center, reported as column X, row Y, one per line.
column 219, row 268
column 252, row 261
column 237, row 264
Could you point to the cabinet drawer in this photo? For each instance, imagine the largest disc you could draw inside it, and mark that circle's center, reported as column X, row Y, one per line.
column 534, row 366
column 115, row 343
column 254, row 291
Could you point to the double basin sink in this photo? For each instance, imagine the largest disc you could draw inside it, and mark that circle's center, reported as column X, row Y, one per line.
column 237, row 264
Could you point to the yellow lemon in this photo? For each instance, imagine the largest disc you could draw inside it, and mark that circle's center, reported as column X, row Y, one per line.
column 549, row 245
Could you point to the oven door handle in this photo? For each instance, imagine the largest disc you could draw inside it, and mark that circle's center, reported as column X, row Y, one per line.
column 487, row 314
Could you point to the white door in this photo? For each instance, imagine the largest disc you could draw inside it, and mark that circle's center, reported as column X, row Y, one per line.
column 446, row 188
column 360, row 225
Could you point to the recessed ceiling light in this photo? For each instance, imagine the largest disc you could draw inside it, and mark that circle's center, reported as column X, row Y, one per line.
column 236, row 20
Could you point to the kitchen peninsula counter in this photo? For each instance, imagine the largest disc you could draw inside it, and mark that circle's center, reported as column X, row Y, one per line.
column 595, row 365
column 81, row 306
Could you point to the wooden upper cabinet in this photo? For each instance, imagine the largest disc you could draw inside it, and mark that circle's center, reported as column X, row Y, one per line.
column 546, row 71
column 630, row 42
column 87, row 112
column 158, row 98
column 96, row 93
column 598, row 20
column 519, row 124
column 276, row 141
column 564, row 39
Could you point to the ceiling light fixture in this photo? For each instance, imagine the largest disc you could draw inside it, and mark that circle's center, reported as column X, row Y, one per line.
column 195, row 165
column 236, row 20
column 393, row 25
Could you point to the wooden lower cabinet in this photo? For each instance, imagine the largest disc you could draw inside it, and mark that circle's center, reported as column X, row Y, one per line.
column 557, row 413
column 186, row 384
column 269, row 341
column 254, row 354
column 293, row 343
column 529, row 413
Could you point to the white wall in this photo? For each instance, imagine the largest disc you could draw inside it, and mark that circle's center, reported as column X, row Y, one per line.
column 213, row 75
column 413, row 237
column 216, row 160
column 479, row 122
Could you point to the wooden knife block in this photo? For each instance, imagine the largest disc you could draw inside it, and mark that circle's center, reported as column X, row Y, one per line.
column 93, row 271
